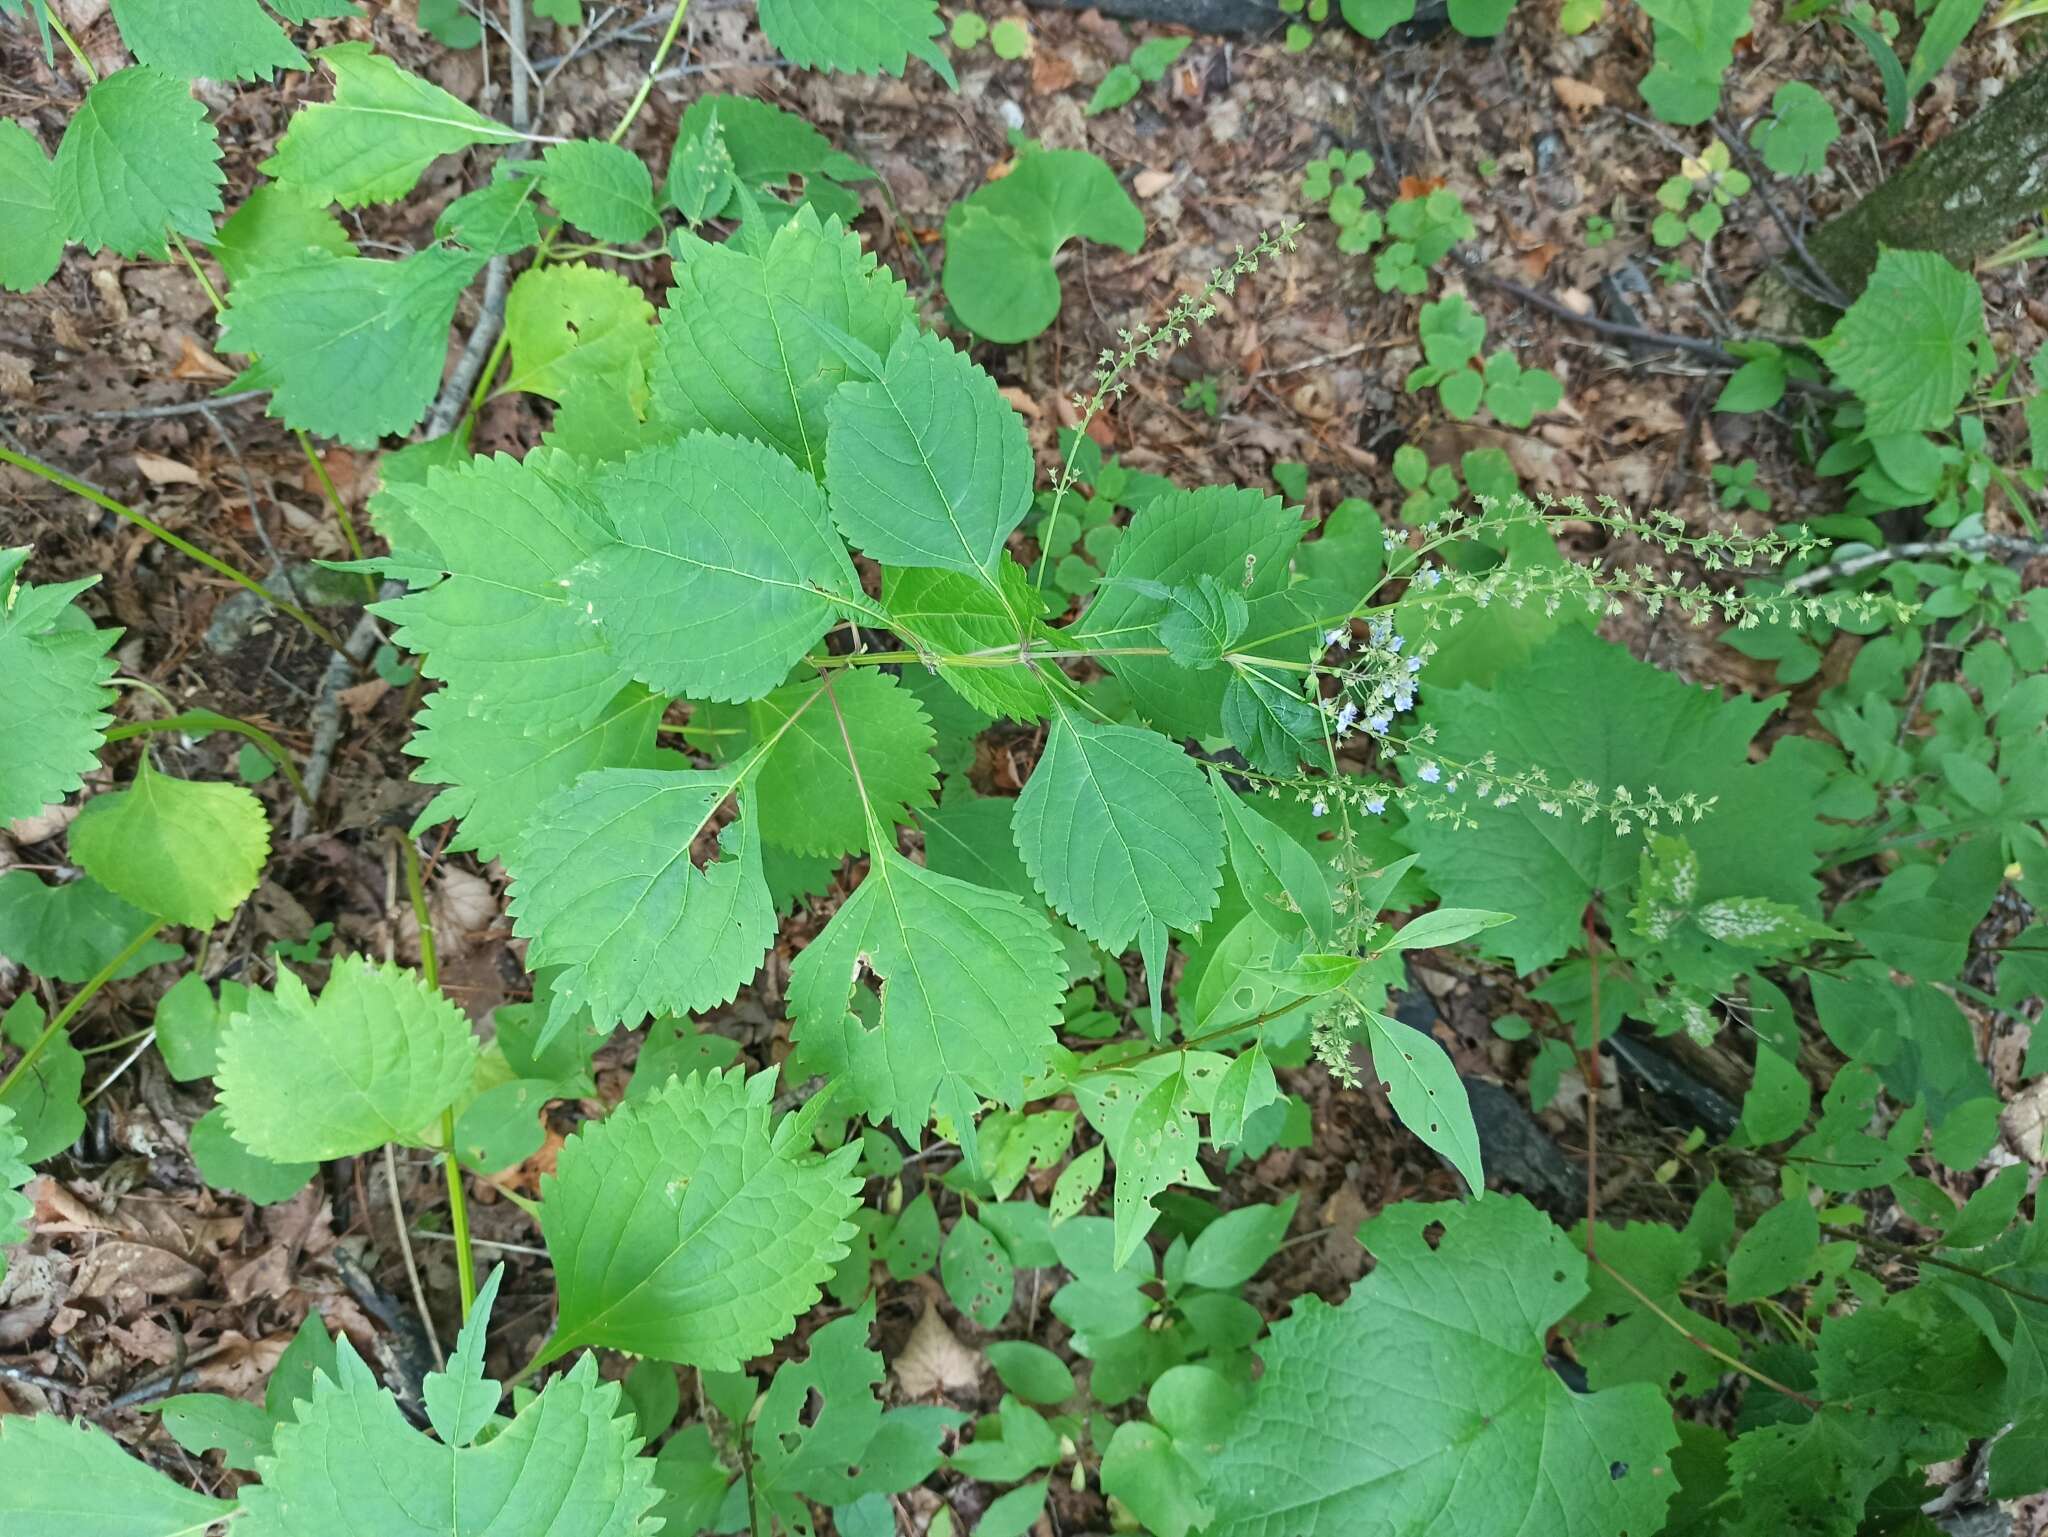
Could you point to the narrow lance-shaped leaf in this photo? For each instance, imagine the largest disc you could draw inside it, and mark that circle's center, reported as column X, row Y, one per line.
column 692, row 1226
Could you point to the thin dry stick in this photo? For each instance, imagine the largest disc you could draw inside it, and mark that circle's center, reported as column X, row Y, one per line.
column 412, row 1269
column 2006, row 546
column 1731, row 1362
column 150, row 413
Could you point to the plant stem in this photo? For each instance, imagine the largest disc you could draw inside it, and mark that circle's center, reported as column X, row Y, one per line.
column 668, row 41
column 214, row 563
column 341, row 512
column 78, row 1001
column 1731, row 1362
column 1918, row 1257
column 210, row 720
column 64, row 35
column 212, row 294
column 451, row 1166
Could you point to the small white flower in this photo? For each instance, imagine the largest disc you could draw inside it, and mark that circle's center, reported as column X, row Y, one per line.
column 1429, row 773
column 1321, row 808
column 1375, row 804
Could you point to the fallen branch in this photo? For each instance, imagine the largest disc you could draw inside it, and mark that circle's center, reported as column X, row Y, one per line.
column 2005, row 546
column 1223, row 17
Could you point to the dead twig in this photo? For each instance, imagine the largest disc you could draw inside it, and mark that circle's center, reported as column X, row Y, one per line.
column 2005, row 546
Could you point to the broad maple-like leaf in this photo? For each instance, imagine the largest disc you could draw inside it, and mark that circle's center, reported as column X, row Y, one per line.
column 692, row 1226
column 53, row 710
column 1424, row 1404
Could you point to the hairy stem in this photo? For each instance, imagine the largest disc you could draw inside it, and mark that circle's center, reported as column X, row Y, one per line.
column 214, row 563
column 451, row 1166
column 212, row 720
column 78, row 1001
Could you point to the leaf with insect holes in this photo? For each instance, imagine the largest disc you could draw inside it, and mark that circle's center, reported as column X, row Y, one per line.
column 724, row 571
column 181, row 851
column 1148, row 1122
column 1422, row 1085
column 62, row 1476
column 349, row 1462
column 1425, row 1402
column 221, row 40
column 28, row 210
column 736, row 350
column 603, row 189
column 376, row 1058
column 53, row 710
column 1120, row 830
column 487, row 547
column 1001, row 240
column 607, row 886
column 574, row 325
column 862, row 37
column 928, row 465
column 139, row 159
column 350, row 347
column 693, row 1225
column 969, row 982
column 382, row 129
column 847, row 747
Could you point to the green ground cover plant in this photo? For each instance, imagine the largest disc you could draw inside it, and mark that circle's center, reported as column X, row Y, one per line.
column 723, row 644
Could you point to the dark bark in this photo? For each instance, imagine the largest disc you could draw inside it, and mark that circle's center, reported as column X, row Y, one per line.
column 1960, row 198
column 1224, row 17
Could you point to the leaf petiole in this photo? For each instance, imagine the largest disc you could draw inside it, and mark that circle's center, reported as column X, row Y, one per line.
column 79, row 1000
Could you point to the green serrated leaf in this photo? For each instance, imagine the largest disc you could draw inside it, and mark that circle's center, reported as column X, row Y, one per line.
column 28, row 208
column 277, row 227
column 736, row 353
column 1443, row 1346
column 494, row 220
column 606, row 887
column 15, row 1209
column 573, row 326
column 349, row 347
column 381, row 130
column 138, row 160
column 350, row 1463
column 221, row 40
column 1001, row 240
column 1120, row 830
column 969, row 983
column 53, row 712
column 862, row 37
column 602, row 188
column 928, row 465
column 726, row 567
column 1907, row 346
column 68, row 932
column 693, row 1227
column 375, row 1059
column 181, row 851
column 61, row 1477
column 949, row 614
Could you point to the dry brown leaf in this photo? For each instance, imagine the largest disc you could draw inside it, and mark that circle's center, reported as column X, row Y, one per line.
column 1051, row 72
column 159, row 471
column 1577, row 95
column 195, row 362
column 1419, row 186
column 934, row 1361
column 15, row 377
column 1149, row 184
column 359, row 699
column 127, row 1273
